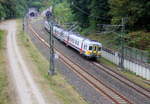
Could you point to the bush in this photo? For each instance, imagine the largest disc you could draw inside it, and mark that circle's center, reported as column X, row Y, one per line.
column 140, row 40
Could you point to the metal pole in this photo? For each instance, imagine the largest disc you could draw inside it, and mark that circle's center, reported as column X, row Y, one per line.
column 52, row 52
column 49, row 71
column 51, row 43
column 122, row 44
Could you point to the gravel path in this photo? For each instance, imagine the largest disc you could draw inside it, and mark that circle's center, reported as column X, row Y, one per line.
column 27, row 90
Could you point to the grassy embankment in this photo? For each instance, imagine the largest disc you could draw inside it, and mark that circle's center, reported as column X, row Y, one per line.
column 4, row 96
column 59, row 86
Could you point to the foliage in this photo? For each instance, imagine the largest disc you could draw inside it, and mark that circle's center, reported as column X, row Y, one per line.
column 99, row 13
column 137, row 12
column 2, row 14
column 17, row 8
column 4, row 92
column 46, row 4
column 140, row 40
column 36, row 4
column 63, row 13
column 81, row 11
column 1, row 36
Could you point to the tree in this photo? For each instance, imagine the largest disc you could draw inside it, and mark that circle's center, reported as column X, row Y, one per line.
column 17, row 8
column 63, row 12
column 81, row 11
column 137, row 12
column 2, row 13
column 99, row 13
column 21, row 7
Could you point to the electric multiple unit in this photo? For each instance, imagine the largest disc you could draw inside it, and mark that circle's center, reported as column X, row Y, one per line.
column 86, row 47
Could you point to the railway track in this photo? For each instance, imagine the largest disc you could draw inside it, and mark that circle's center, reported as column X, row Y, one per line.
column 98, row 85
column 145, row 92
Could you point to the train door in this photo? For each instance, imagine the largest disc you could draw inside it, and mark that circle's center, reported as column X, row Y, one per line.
column 95, row 49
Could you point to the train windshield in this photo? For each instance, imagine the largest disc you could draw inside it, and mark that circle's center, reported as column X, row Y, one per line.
column 90, row 47
column 94, row 48
column 99, row 49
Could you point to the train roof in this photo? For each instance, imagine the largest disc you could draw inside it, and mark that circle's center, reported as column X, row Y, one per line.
column 79, row 36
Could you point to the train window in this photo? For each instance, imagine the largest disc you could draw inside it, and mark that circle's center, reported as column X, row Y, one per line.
column 90, row 47
column 85, row 46
column 72, row 40
column 99, row 49
column 78, row 42
column 94, row 48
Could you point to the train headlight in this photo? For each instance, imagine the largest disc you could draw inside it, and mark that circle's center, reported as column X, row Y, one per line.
column 94, row 52
column 99, row 53
column 87, row 52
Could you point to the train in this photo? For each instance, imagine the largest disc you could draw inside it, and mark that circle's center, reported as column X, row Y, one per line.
column 91, row 49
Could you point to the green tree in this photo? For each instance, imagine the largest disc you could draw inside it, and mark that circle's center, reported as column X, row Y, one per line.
column 137, row 12
column 17, row 8
column 63, row 13
column 81, row 11
column 2, row 13
column 99, row 13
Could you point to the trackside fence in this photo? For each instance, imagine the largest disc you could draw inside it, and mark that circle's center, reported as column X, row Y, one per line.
column 138, row 67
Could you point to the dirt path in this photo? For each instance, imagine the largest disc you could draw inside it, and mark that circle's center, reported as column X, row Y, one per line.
column 26, row 88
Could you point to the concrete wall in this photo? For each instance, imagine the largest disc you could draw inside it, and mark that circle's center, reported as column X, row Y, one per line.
column 138, row 68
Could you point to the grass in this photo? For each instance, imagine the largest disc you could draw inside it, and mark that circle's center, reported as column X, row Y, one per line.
column 130, row 75
column 61, row 89
column 1, row 39
column 4, row 96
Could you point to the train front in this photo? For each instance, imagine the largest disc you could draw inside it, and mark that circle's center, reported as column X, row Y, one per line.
column 95, row 50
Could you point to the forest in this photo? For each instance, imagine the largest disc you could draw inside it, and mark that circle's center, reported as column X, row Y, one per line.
column 90, row 15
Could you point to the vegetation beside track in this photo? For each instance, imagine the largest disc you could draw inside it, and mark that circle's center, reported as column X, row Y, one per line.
column 57, row 84
column 4, row 95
